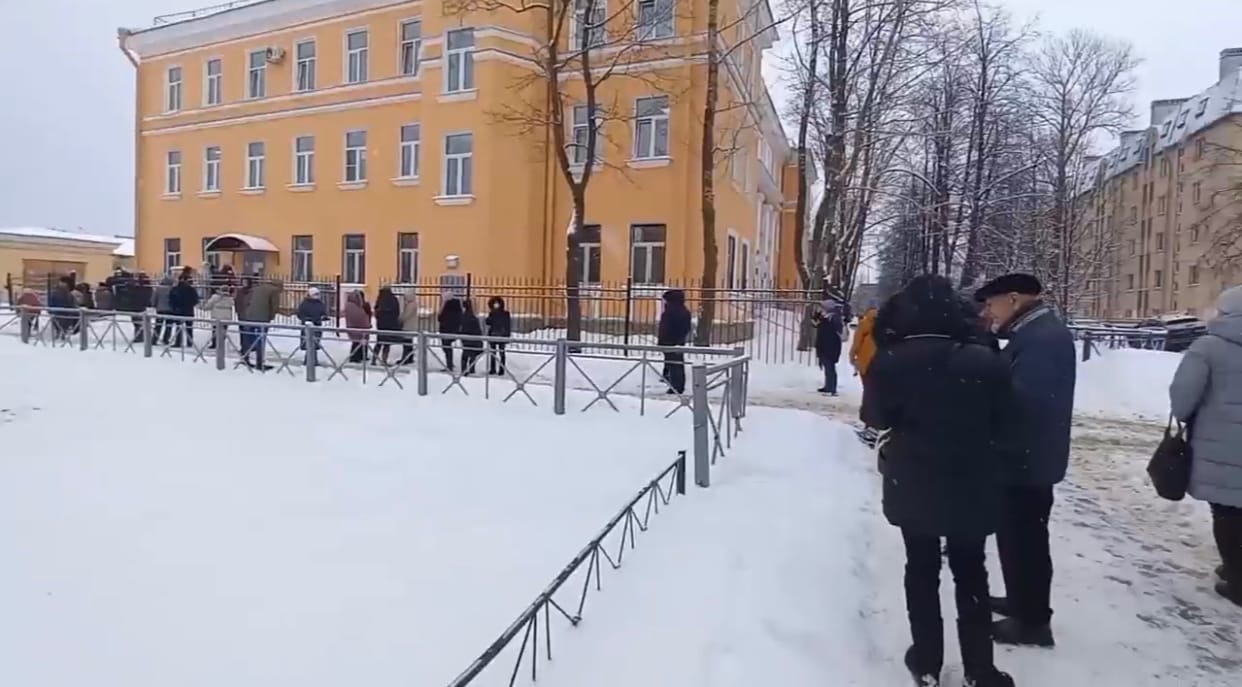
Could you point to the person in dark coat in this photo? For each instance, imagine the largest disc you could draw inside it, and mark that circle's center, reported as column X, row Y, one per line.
column 60, row 303
column 499, row 324
column 674, row 330
column 140, row 294
column 449, row 324
column 182, row 299
column 103, row 298
column 943, row 398
column 1042, row 358
column 312, row 311
column 387, row 322
column 829, row 332
column 470, row 326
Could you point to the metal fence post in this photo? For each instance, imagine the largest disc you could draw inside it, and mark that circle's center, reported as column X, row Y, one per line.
column 559, row 382
column 310, row 334
column 83, row 335
column 26, row 322
column 220, row 334
column 421, row 364
column 681, row 472
column 1086, row 346
column 702, row 414
column 148, row 334
column 629, row 311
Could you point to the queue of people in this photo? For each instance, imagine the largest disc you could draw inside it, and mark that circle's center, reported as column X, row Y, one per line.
column 984, row 464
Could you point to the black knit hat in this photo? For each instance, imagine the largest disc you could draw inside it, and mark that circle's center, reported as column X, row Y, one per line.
column 1025, row 284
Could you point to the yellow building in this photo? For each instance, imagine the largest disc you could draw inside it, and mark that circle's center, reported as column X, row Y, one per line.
column 33, row 256
column 388, row 141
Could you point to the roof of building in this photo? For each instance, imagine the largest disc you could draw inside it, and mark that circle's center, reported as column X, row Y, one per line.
column 126, row 249
column 60, row 235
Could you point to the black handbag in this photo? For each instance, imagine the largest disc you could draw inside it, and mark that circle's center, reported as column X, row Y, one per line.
column 1169, row 467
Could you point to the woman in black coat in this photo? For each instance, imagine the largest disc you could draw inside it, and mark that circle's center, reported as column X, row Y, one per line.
column 470, row 350
column 943, row 396
column 450, row 323
column 499, row 324
column 387, row 322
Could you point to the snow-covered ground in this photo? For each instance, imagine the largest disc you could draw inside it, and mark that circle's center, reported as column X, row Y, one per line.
column 165, row 523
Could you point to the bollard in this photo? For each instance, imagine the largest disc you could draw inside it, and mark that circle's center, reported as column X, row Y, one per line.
column 26, row 322
column 311, row 336
column 83, row 335
column 220, row 334
column 424, row 354
column 1086, row 346
column 559, row 381
column 681, row 472
column 702, row 414
column 148, row 334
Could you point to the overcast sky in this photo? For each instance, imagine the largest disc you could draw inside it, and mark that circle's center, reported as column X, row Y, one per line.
column 67, row 116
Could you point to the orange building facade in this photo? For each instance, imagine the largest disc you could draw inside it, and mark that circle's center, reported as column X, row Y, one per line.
column 378, row 141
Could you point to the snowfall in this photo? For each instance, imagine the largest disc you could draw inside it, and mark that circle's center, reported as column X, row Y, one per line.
column 164, row 523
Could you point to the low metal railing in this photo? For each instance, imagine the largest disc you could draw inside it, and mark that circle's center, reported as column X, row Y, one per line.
column 712, row 385
column 656, row 493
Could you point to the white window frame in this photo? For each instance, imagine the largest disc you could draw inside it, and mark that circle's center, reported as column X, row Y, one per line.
column 578, row 150
column 172, row 258
column 172, row 172
column 656, row 26
column 648, row 247
column 256, row 166
column 303, row 261
column 409, row 152
column 463, row 160
column 415, row 46
column 407, row 257
column 463, row 57
column 213, row 84
column 355, row 257
column 211, row 169
column 303, row 162
column 174, row 91
column 746, row 265
column 311, row 65
column 357, row 71
column 581, row 25
column 256, row 77
column 585, row 249
column 654, row 121
column 359, row 161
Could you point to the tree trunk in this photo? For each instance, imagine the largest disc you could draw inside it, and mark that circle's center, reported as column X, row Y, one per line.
column 707, row 302
column 804, row 120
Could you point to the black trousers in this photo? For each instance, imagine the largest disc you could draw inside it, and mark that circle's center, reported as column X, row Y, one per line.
column 469, row 354
column 974, row 615
column 446, row 345
column 674, row 371
column 1227, row 528
column 830, row 377
column 1026, row 561
column 497, row 361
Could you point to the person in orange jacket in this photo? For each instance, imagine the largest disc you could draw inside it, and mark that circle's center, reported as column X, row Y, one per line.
column 862, row 349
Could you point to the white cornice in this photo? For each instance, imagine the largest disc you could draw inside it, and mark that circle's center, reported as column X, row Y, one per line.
column 248, row 20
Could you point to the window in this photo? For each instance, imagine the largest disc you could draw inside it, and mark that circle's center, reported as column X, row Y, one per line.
column 590, row 17
column 1133, row 214
column 255, row 154
column 458, row 164
column 1133, row 246
column 1165, row 167
column 1160, row 240
column 460, row 52
column 1200, row 148
column 172, row 255
column 590, row 247
column 1194, row 275
column 213, row 82
column 581, row 134
column 1158, row 278
column 303, row 257
column 1181, row 119
column 655, row 18
column 355, row 157
column 1201, row 107
column 211, row 257
column 731, row 263
column 172, row 90
column 411, row 46
column 1194, row 234
column 647, row 253
column 1196, row 192
column 1130, row 281
column 651, row 128
column 305, row 53
column 211, row 169
column 357, row 55
column 1162, row 205
column 172, row 173
column 407, row 258
column 256, row 75
column 745, row 269
column 411, row 141
column 304, row 160
column 355, row 257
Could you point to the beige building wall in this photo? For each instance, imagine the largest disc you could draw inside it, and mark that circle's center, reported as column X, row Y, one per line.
column 28, row 260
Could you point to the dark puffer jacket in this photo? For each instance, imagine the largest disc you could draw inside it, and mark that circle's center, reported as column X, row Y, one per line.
column 675, row 321
column 945, row 396
column 499, row 322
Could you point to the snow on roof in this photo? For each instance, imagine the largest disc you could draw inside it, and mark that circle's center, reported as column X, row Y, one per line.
column 57, row 234
column 126, row 249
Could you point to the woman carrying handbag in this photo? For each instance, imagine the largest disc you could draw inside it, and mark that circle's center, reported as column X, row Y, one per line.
column 1208, row 389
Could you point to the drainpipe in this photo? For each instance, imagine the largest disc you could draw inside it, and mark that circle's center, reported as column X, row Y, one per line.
column 122, row 39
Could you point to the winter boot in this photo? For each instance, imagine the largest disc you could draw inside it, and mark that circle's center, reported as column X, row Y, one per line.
column 1230, row 590
column 1000, row 606
column 996, row 678
column 921, row 678
column 1015, row 632
column 1220, row 571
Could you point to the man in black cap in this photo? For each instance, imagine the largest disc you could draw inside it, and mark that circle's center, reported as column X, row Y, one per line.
column 1042, row 359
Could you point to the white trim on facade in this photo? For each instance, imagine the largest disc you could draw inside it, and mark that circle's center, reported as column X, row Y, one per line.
column 293, row 112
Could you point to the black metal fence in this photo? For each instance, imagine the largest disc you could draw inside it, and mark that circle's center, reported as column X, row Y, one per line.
column 766, row 321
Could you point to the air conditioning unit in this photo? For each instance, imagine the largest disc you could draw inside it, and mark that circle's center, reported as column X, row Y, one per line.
column 275, row 55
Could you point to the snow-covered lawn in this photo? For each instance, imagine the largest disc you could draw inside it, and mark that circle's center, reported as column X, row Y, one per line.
column 167, row 524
